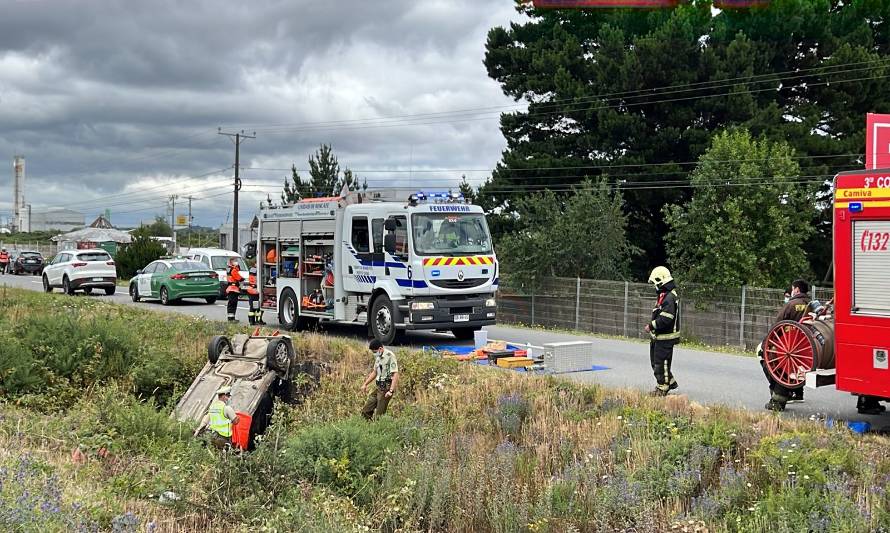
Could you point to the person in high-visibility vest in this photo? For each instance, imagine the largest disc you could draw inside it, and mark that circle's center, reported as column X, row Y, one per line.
column 4, row 261
column 219, row 419
column 254, row 314
column 664, row 330
column 233, row 290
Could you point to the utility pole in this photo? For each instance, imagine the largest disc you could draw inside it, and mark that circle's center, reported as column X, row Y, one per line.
column 173, row 198
column 190, row 222
column 238, row 138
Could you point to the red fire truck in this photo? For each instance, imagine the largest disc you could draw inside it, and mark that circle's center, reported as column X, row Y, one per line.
column 848, row 342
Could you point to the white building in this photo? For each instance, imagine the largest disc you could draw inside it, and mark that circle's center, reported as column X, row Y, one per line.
column 56, row 219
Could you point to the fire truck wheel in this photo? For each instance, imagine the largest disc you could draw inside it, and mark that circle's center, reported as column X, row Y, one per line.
column 279, row 355
column 288, row 309
column 218, row 346
column 382, row 318
column 464, row 334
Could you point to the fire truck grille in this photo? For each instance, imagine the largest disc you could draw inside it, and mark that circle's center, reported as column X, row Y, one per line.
column 468, row 283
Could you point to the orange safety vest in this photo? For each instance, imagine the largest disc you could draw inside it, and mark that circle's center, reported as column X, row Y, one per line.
column 4, row 257
column 251, row 285
column 234, row 279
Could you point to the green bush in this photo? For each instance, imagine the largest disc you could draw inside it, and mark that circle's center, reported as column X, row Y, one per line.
column 136, row 255
column 55, row 347
column 347, row 456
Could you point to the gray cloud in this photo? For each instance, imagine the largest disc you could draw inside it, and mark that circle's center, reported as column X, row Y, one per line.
column 109, row 101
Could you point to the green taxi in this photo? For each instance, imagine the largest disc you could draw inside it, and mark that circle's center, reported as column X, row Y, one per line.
column 170, row 280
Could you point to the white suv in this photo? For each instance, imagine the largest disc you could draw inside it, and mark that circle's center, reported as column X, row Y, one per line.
column 84, row 270
column 217, row 259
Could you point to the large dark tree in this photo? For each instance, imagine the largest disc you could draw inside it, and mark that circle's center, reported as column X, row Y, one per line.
column 638, row 94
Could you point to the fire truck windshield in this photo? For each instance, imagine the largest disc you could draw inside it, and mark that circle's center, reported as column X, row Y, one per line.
column 450, row 234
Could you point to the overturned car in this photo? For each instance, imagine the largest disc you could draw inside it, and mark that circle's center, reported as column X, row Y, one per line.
column 258, row 369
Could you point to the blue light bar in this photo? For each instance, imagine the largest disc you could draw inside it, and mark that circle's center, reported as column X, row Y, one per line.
column 855, row 207
column 437, row 196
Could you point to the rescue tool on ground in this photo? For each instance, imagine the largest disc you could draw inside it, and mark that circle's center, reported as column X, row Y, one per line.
column 392, row 260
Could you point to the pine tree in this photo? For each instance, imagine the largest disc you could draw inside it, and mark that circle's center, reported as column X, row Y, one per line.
column 324, row 178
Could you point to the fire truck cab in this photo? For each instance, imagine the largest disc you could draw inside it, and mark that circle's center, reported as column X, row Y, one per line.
column 393, row 260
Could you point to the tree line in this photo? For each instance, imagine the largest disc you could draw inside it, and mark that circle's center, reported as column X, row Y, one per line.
column 703, row 139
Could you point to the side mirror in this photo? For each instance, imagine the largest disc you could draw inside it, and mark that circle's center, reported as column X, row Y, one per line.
column 390, row 224
column 139, row 272
column 389, row 243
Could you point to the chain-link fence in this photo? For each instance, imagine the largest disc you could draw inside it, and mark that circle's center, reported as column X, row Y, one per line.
column 14, row 247
column 739, row 316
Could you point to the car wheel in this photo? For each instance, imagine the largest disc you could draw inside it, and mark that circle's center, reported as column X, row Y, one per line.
column 219, row 345
column 134, row 292
column 211, row 300
column 109, row 291
column 165, row 296
column 66, row 286
column 279, row 355
column 46, row 286
column 382, row 318
column 464, row 334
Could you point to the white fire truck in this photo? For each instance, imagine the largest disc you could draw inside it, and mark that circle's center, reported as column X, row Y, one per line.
column 391, row 260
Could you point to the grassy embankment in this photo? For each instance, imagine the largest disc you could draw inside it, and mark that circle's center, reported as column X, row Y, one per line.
column 86, row 442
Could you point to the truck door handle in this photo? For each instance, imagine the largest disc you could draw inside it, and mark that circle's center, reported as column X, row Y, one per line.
column 350, row 270
column 387, row 271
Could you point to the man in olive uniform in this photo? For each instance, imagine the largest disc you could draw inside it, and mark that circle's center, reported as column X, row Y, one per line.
column 219, row 419
column 664, row 330
column 385, row 376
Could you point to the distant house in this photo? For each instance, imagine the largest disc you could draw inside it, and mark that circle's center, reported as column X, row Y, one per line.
column 100, row 234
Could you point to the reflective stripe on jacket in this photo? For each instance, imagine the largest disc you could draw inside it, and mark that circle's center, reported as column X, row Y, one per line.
column 665, row 324
column 233, row 278
column 4, row 257
column 251, row 285
column 218, row 421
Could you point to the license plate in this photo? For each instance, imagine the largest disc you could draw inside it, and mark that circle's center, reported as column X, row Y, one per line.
column 32, row 261
column 98, row 279
column 461, row 318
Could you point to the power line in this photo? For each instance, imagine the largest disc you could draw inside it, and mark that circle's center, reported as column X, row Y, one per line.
column 570, row 167
column 773, row 76
column 560, row 112
column 141, row 192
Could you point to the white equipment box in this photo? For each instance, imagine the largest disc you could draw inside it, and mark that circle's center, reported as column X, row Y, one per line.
column 568, row 356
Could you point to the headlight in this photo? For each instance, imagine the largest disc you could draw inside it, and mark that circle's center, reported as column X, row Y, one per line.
column 422, row 306
column 491, row 302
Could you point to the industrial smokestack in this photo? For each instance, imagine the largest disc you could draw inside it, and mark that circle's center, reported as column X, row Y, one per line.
column 19, row 212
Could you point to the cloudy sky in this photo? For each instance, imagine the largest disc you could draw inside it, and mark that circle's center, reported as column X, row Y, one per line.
column 116, row 104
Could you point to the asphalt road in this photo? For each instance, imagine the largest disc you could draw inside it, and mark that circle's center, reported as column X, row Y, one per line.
column 706, row 377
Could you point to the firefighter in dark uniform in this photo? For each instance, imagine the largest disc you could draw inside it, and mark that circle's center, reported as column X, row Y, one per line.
column 797, row 305
column 233, row 290
column 664, row 329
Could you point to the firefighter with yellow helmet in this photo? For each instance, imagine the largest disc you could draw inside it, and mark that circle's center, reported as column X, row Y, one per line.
column 664, row 330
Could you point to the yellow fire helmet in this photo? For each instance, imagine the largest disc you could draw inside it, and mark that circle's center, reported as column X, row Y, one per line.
column 659, row 276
